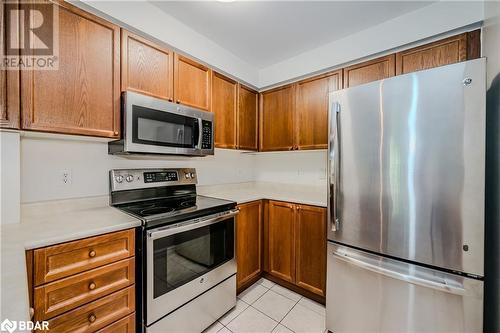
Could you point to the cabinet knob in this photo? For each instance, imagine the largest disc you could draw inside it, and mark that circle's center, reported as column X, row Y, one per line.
column 92, row 285
column 178, row 101
column 116, row 132
column 92, row 318
column 92, row 254
column 170, row 99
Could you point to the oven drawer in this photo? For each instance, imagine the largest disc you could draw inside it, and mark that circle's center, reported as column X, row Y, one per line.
column 125, row 325
column 62, row 260
column 63, row 295
column 96, row 315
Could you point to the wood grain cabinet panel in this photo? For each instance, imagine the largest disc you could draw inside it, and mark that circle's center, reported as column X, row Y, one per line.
column 57, row 297
column 192, row 83
column 248, row 242
column 9, row 79
column 248, row 109
column 96, row 315
column 147, row 67
column 281, row 240
column 62, row 260
column 369, row 71
column 310, row 248
column 224, row 107
column 312, row 110
column 125, row 325
column 83, row 95
column 277, row 119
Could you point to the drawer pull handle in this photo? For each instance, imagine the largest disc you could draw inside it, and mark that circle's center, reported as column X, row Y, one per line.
column 92, row 286
column 92, row 254
column 92, row 318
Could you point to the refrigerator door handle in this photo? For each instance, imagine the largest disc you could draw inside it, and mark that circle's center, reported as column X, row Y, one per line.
column 437, row 284
column 334, row 167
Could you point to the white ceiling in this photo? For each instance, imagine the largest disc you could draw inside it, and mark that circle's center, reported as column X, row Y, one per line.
column 263, row 33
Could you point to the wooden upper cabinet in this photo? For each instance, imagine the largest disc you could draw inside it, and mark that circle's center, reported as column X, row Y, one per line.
column 310, row 248
column 281, row 244
column 312, row 110
column 248, row 109
column 277, row 119
column 224, row 107
column 83, row 95
column 249, row 242
column 373, row 70
column 192, row 83
column 443, row 52
column 147, row 68
column 9, row 79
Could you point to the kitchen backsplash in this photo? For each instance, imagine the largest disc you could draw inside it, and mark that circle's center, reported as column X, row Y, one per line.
column 55, row 167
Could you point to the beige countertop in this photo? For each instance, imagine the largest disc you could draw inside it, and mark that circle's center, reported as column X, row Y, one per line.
column 53, row 222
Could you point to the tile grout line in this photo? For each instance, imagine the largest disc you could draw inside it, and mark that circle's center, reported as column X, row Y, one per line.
column 249, row 305
column 288, row 313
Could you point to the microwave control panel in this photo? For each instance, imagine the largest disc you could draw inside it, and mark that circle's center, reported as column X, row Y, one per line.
column 206, row 134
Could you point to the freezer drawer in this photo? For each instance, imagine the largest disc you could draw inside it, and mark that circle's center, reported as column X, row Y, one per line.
column 370, row 293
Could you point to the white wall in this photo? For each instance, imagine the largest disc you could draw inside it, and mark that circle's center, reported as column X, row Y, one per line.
column 9, row 177
column 45, row 159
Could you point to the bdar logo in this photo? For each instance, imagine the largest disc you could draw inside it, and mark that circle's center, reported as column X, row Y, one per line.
column 7, row 325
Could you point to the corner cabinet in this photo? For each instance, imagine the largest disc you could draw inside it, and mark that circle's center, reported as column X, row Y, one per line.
column 373, row 70
column 83, row 95
column 296, row 245
column 192, row 83
column 248, row 109
column 248, row 243
column 147, row 67
column 224, row 107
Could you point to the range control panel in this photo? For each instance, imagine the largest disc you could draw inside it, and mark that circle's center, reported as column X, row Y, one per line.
column 129, row 179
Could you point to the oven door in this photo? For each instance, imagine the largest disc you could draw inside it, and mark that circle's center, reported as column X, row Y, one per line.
column 156, row 126
column 186, row 259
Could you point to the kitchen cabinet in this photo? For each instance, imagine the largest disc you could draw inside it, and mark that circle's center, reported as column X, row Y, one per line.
column 248, row 243
column 312, row 110
column 9, row 79
column 248, row 108
column 296, row 245
column 83, row 95
column 310, row 248
column 224, row 107
column 147, row 68
column 447, row 51
column 277, row 119
column 192, row 83
column 373, row 70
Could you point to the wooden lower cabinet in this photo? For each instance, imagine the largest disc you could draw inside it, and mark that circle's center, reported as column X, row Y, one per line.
column 125, row 325
column 249, row 243
column 296, row 245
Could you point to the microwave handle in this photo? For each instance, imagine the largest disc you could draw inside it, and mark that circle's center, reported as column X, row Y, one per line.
column 197, row 134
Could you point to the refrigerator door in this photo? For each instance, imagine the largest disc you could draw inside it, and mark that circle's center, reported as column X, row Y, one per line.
column 406, row 166
column 369, row 293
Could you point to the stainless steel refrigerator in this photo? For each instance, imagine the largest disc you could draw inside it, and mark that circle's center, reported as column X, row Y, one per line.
column 406, row 164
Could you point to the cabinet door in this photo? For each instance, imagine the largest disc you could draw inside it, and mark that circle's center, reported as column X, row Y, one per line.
column 310, row 248
column 369, row 71
column 312, row 110
column 192, row 83
column 9, row 79
column 247, row 118
column 281, row 237
column 147, row 68
column 224, row 107
column 248, row 242
column 276, row 119
column 443, row 52
column 83, row 95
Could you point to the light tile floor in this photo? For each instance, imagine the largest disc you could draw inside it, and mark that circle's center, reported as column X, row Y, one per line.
column 266, row 307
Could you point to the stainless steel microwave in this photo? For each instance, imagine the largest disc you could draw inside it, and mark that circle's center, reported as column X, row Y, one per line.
column 156, row 126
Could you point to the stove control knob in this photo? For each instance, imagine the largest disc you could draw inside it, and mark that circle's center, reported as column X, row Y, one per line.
column 119, row 178
column 129, row 178
column 193, row 175
column 187, row 175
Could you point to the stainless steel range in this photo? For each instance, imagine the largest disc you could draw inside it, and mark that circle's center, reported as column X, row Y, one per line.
column 187, row 274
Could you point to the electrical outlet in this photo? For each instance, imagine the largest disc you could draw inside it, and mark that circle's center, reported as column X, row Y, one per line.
column 66, row 176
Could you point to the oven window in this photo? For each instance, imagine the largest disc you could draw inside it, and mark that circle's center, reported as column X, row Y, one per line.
column 182, row 257
column 161, row 128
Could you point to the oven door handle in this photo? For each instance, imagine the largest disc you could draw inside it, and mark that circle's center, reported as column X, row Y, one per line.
column 186, row 226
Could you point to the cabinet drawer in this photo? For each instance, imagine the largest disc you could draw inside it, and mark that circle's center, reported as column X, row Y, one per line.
column 125, row 325
column 63, row 295
column 96, row 315
column 62, row 260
